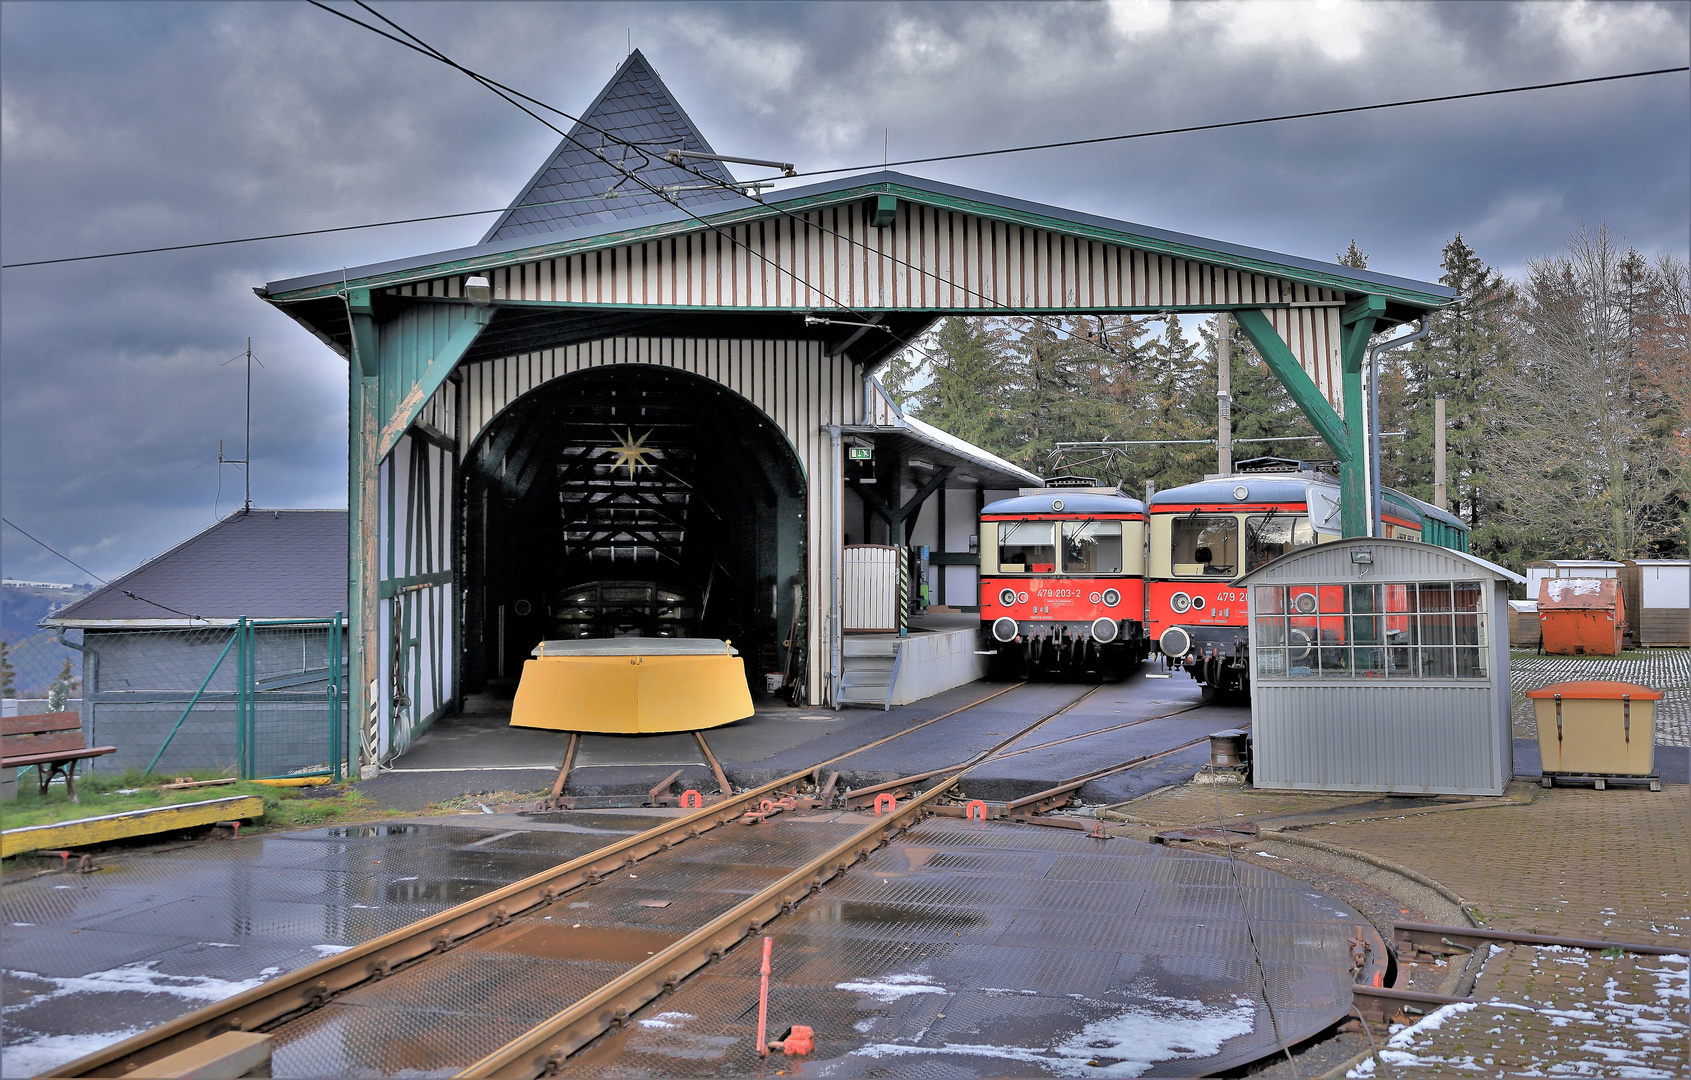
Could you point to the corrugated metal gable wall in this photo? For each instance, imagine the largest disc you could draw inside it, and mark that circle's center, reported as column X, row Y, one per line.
column 928, row 259
column 794, row 383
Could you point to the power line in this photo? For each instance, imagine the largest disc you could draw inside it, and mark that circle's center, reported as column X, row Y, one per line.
column 509, row 94
column 842, row 169
column 1248, row 123
column 287, row 235
column 97, row 577
column 52, row 551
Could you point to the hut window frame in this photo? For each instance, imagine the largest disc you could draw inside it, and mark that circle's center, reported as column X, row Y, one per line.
column 1390, row 631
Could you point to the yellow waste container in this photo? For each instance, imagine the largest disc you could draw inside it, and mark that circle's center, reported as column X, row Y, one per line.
column 1597, row 730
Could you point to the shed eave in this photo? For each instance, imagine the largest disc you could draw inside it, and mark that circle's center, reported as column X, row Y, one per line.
column 1405, row 291
column 1500, row 572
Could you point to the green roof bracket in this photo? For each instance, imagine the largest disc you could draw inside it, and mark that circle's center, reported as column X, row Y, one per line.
column 419, row 348
column 362, row 316
column 1357, row 321
column 883, row 211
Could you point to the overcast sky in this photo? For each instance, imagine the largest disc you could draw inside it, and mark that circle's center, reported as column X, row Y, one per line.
column 138, row 124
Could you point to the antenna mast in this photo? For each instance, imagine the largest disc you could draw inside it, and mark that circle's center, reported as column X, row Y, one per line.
column 245, row 462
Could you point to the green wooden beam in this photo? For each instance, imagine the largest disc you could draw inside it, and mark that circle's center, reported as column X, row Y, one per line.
column 364, row 353
column 419, row 348
column 1305, row 394
column 1359, row 320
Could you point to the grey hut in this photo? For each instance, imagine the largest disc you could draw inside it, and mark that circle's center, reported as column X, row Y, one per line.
column 1381, row 665
column 159, row 640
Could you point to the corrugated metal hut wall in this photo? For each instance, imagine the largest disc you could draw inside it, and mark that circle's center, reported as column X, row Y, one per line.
column 138, row 683
column 135, row 686
column 795, row 383
column 418, row 574
column 1421, row 735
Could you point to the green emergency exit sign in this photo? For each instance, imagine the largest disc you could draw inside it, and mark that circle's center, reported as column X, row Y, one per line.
column 862, row 453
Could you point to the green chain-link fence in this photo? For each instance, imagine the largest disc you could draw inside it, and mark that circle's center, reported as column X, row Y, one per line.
column 262, row 698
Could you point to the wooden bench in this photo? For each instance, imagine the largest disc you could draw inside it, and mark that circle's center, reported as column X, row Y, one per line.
column 52, row 742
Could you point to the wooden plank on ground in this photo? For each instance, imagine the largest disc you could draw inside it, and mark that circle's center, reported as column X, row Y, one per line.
column 158, row 819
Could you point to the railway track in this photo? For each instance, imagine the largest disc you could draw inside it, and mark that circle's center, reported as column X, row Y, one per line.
column 549, row 949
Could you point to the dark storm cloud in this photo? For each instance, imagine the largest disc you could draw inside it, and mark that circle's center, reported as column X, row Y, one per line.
column 132, row 125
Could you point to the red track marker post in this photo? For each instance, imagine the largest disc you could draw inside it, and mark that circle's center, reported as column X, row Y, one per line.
column 763, row 1003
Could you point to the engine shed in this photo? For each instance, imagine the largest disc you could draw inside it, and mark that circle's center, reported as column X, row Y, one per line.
column 644, row 403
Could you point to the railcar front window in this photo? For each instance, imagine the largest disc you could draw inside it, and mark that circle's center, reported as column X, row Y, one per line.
column 1205, row 546
column 1269, row 536
column 1026, row 547
column 1092, row 547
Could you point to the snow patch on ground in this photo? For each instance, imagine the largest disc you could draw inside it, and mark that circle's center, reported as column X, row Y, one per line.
column 32, row 1057
column 141, row 978
column 893, row 987
column 1128, row 1043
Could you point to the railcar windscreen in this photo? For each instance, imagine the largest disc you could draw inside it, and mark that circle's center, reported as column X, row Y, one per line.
column 1091, row 547
column 1206, row 546
column 1269, row 536
column 1026, row 547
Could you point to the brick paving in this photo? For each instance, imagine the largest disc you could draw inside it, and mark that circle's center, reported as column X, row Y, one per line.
column 1576, row 862
column 1667, row 670
column 1614, row 865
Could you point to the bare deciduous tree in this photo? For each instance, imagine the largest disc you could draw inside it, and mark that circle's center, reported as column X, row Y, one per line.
column 1585, row 464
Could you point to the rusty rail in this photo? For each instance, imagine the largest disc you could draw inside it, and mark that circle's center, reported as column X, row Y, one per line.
column 315, row 984
column 1053, row 797
column 544, row 1048
column 1434, row 940
column 1377, row 1003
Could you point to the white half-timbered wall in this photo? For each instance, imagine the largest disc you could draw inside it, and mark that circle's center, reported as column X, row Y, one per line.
column 928, row 259
column 416, row 576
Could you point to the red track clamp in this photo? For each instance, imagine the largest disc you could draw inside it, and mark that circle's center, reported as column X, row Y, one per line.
column 889, row 798
column 969, row 811
column 697, row 800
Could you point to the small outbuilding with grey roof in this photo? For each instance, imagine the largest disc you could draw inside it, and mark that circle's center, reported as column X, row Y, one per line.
column 231, row 640
column 1380, row 665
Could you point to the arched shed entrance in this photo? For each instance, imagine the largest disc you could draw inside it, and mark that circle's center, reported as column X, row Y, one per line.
column 631, row 500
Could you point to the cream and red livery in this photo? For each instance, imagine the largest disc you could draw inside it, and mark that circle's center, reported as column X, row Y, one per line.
column 1205, row 536
column 1062, row 582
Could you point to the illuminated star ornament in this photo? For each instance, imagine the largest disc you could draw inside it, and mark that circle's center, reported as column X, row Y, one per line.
column 632, row 452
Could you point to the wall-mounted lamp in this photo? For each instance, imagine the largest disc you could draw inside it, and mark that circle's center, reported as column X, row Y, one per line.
column 478, row 290
column 1361, row 555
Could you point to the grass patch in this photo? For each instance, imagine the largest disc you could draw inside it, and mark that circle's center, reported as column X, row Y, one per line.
column 114, row 793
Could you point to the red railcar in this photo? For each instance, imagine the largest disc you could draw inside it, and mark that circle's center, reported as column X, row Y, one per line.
column 1205, row 536
column 1062, row 582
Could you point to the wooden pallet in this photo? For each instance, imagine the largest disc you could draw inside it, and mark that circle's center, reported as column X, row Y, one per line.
column 1600, row 782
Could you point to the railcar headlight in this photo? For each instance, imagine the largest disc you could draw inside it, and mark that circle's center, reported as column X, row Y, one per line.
column 1004, row 629
column 1180, row 602
column 1111, row 598
column 1197, row 603
column 1103, row 630
column 1096, row 597
column 1175, row 642
column 1007, row 597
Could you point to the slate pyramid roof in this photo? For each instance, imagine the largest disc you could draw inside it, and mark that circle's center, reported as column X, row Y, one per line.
column 635, row 106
